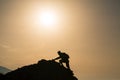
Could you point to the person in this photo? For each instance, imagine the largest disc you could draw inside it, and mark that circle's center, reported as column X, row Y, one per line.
column 64, row 58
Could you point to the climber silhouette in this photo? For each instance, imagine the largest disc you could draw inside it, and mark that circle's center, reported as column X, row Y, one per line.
column 64, row 58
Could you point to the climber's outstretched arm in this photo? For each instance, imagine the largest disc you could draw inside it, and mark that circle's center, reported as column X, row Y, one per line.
column 56, row 58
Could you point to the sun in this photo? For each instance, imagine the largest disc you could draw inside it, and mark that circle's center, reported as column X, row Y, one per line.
column 46, row 18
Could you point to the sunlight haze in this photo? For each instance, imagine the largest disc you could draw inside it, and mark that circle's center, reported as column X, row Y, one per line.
column 88, row 30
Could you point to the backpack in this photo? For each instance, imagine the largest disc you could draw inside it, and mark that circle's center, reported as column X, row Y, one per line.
column 65, row 55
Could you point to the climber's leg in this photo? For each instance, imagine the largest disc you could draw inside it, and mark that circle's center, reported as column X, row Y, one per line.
column 67, row 65
column 60, row 61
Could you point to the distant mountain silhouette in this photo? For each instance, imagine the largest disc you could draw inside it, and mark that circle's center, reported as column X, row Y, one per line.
column 43, row 70
column 4, row 70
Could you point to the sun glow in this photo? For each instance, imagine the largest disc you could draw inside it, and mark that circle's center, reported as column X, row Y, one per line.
column 46, row 18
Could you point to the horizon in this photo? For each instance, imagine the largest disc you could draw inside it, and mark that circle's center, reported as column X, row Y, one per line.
column 86, row 30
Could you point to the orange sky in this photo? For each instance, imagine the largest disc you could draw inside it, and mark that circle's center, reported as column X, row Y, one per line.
column 87, row 30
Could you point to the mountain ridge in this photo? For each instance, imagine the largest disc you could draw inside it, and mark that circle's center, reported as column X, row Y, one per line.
column 43, row 70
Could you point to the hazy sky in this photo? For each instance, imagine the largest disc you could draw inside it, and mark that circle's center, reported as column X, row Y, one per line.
column 88, row 30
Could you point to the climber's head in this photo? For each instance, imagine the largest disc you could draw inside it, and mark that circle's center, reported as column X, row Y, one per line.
column 59, row 52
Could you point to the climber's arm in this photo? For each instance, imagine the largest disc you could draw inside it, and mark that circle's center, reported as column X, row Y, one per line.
column 56, row 58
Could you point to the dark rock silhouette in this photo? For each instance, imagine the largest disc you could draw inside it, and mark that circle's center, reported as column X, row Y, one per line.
column 1, row 74
column 43, row 70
